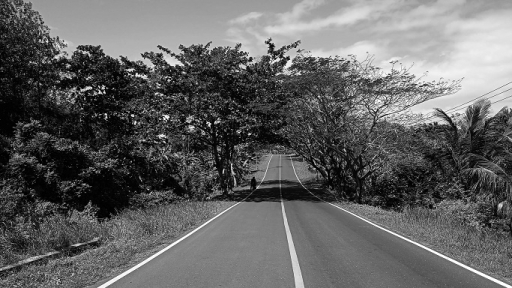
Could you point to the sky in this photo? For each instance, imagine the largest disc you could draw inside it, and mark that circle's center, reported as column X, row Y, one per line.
column 450, row 39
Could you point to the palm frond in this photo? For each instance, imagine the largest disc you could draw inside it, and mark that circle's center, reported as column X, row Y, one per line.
column 439, row 113
column 488, row 183
column 481, row 161
column 484, row 108
column 476, row 115
column 489, row 176
column 503, row 111
column 454, row 141
column 507, row 134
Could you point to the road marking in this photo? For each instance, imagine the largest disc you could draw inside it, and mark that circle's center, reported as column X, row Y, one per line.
column 115, row 279
column 407, row 239
column 297, row 274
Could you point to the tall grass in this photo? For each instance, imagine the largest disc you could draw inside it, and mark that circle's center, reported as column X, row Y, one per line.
column 159, row 221
column 126, row 239
column 29, row 238
column 483, row 249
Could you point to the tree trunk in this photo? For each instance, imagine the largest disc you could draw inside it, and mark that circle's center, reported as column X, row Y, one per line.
column 360, row 190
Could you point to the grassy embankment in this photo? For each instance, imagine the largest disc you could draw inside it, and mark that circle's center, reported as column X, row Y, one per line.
column 485, row 250
column 127, row 239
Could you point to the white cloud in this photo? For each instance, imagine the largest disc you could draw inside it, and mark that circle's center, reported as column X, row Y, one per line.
column 479, row 52
column 342, row 18
column 249, row 37
column 299, row 10
column 237, row 35
column 448, row 38
column 246, row 18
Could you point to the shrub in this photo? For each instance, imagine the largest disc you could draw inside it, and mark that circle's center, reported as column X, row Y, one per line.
column 153, row 199
column 477, row 214
column 46, row 168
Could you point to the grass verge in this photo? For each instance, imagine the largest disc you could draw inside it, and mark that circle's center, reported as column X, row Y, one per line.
column 483, row 249
column 127, row 239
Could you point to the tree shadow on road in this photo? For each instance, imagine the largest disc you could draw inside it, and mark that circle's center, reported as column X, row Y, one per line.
column 270, row 191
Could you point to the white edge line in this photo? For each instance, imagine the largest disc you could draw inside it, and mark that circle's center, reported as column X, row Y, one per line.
column 409, row 240
column 297, row 273
column 115, row 279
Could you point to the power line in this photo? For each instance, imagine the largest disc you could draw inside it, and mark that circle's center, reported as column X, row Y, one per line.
column 472, row 104
column 481, row 96
column 451, row 110
column 462, row 108
column 430, row 117
column 502, row 99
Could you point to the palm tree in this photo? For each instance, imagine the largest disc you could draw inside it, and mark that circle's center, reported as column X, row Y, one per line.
column 477, row 149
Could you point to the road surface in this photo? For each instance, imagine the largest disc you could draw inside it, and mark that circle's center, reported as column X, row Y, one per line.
column 283, row 236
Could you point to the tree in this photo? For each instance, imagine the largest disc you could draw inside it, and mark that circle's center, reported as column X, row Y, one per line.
column 478, row 147
column 347, row 104
column 27, row 64
column 215, row 96
column 99, row 89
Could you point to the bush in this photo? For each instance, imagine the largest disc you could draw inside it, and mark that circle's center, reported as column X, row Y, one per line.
column 411, row 181
column 153, row 199
column 46, row 168
column 477, row 214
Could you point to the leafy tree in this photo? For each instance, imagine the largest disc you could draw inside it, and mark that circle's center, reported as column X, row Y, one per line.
column 45, row 168
column 99, row 89
column 408, row 177
column 215, row 96
column 347, row 104
column 27, row 66
column 478, row 147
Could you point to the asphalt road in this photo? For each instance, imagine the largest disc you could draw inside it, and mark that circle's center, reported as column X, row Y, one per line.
column 283, row 236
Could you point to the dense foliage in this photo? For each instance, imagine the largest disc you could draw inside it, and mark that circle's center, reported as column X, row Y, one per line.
column 350, row 122
column 89, row 131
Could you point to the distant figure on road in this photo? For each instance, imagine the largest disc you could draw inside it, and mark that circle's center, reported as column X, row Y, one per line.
column 253, row 184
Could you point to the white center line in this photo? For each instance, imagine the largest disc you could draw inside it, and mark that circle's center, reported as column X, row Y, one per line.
column 297, row 274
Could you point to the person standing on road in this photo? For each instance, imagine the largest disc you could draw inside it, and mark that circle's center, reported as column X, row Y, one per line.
column 253, row 184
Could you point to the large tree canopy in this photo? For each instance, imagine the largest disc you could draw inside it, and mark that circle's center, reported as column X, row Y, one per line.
column 342, row 110
column 98, row 91
column 27, row 63
column 216, row 94
column 89, row 129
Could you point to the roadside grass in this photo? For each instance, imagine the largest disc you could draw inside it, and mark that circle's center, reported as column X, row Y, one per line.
column 483, row 249
column 54, row 232
column 127, row 239
column 305, row 173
